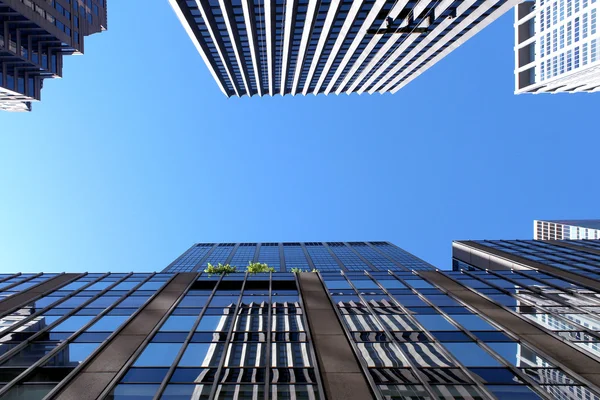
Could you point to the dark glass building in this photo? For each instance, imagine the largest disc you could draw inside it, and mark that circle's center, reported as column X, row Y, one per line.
column 374, row 322
column 34, row 37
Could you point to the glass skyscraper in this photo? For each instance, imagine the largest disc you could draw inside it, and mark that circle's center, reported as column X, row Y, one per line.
column 269, row 47
column 513, row 320
column 34, row 37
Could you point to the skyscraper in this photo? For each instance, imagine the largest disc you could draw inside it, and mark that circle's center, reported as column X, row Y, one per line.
column 34, row 37
column 556, row 46
column 566, row 229
column 375, row 322
column 258, row 47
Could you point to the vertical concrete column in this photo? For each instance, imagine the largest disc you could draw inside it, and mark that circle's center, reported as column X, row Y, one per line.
column 99, row 371
column 342, row 376
column 562, row 353
column 27, row 296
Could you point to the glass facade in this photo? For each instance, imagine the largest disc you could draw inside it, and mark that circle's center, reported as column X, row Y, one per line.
column 412, row 332
column 322, row 256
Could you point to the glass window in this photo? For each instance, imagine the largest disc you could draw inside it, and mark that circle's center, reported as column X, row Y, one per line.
column 471, row 355
column 472, row 322
column 133, row 392
column 178, row 323
column 108, row 323
column 158, row 355
column 215, row 323
column 435, row 322
column 201, row 355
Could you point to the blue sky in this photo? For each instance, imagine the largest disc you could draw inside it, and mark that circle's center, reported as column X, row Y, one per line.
column 136, row 154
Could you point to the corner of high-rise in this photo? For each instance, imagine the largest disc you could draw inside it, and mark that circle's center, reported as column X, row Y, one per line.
column 34, row 37
column 268, row 47
column 566, row 229
column 556, row 46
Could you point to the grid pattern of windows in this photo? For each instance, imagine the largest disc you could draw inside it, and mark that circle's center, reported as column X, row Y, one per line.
column 294, row 257
column 578, row 261
column 563, row 32
column 188, row 260
column 244, row 255
column 418, row 341
column 42, row 342
column 233, row 337
column 560, row 230
column 219, row 255
column 292, row 47
column 269, row 254
column 383, row 256
column 567, row 309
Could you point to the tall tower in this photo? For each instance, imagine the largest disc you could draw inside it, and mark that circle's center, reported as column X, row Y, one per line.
column 34, row 37
column 566, row 229
column 557, row 45
column 268, row 47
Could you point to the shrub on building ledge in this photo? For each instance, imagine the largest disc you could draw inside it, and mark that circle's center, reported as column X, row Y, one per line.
column 255, row 268
column 297, row 270
column 219, row 269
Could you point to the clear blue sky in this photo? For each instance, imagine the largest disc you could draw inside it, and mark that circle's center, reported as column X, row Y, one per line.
column 136, row 154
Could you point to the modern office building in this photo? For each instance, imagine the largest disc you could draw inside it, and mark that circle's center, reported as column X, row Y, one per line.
column 257, row 47
column 566, row 229
column 34, row 37
column 557, row 45
column 375, row 322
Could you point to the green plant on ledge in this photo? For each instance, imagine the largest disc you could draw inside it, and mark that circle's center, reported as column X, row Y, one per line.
column 297, row 270
column 255, row 268
column 220, row 269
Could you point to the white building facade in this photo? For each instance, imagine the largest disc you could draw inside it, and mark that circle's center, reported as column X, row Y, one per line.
column 270, row 47
column 566, row 229
column 557, row 46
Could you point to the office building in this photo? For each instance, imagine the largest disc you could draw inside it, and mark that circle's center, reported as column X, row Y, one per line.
column 556, row 46
column 257, row 47
column 566, row 229
column 375, row 322
column 34, row 37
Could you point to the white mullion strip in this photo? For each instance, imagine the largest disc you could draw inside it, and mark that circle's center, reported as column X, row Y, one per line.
column 210, row 24
column 431, row 36
column 252, row 42
column 198, row 46
column 305, row 359
column 306, row 34
column 331, row 13
column 356, row 42
column 348, row 22
column 234, row 39
column 357, row 63
column 440, row 8
column 493, row 16
column 288, row 31
column 269, row 26
column 393, row 58
column 371, row 65
column 397, row 9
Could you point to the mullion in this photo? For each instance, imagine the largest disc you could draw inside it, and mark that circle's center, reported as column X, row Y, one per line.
column 53, row 305
column 310, row 343
column 558, row 300
column 68, row 341
column 349, row 337
column 542, row 308
column 75, row 310
column 117, row 378
column 445, row 352
column 269, row 339
column 185, row 344
column 390, row 337
column 540, row 391
column 228, row 341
